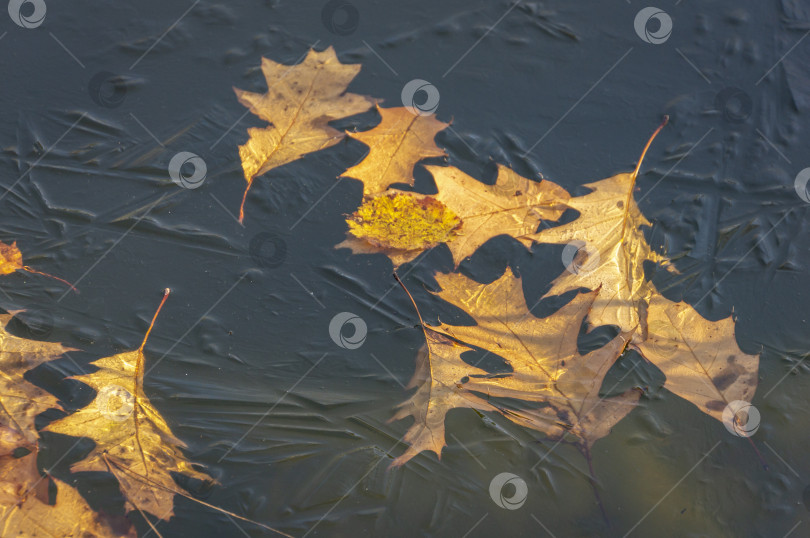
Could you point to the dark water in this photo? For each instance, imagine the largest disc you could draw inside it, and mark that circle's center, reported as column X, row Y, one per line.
column 92, row 202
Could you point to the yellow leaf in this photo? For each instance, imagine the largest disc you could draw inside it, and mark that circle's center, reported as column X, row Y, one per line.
column 514, row 206
column 133, row 441
column 395, row 146
column 401, row 223
column 11, row 260
column 300, row 102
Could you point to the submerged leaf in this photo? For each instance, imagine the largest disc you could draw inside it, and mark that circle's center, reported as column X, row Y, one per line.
column 132, row 440
column 700, row 358
column 395, row 146
column 402, row 223
column 21, row 401
column 300, row 102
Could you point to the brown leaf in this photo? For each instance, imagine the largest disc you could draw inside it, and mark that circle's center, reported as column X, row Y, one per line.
column 700, row 358
column 438, row 376
column 610, row 251
column 401, row 140
column 21, row 401
column 132, row 440
column 300, row 102
column 512, row 206
column 547, row 366
column 24, row 504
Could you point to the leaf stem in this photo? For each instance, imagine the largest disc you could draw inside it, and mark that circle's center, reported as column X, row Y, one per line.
column 166, row 293
column 421, row 323
column 649, row 143
column 244, row 199
column 32, row 270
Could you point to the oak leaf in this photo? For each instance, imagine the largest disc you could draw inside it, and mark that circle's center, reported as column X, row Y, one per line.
column 300, row 102
column 20, row 400
column 439, row 371
column 547, row 368
column 133, row 441
column 25, row 509
column 608, row 251
column 700, row 358
column 514, row 206
column 401, row 140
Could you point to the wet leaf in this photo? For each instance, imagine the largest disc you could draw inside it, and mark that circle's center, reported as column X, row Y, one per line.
column 24, row 504
column 401, row 224
column 513, row 206
column 300, row 102
column 401, row 140
column 700, row 358
column 21, row 401
column 610, row 251
column 439, row 371
column 547, row 367
column 133, row 441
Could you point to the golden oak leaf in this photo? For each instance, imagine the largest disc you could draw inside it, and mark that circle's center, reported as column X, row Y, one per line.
column 300, row 102
column 24, row 501
column 514, row 205
column 547, row 366
column 11, row 260
column 133, row 441
column 21, row 401
column 401, row 224
column 401, row 140
column 607, row 250
column 700, row 358
column 439, row 372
